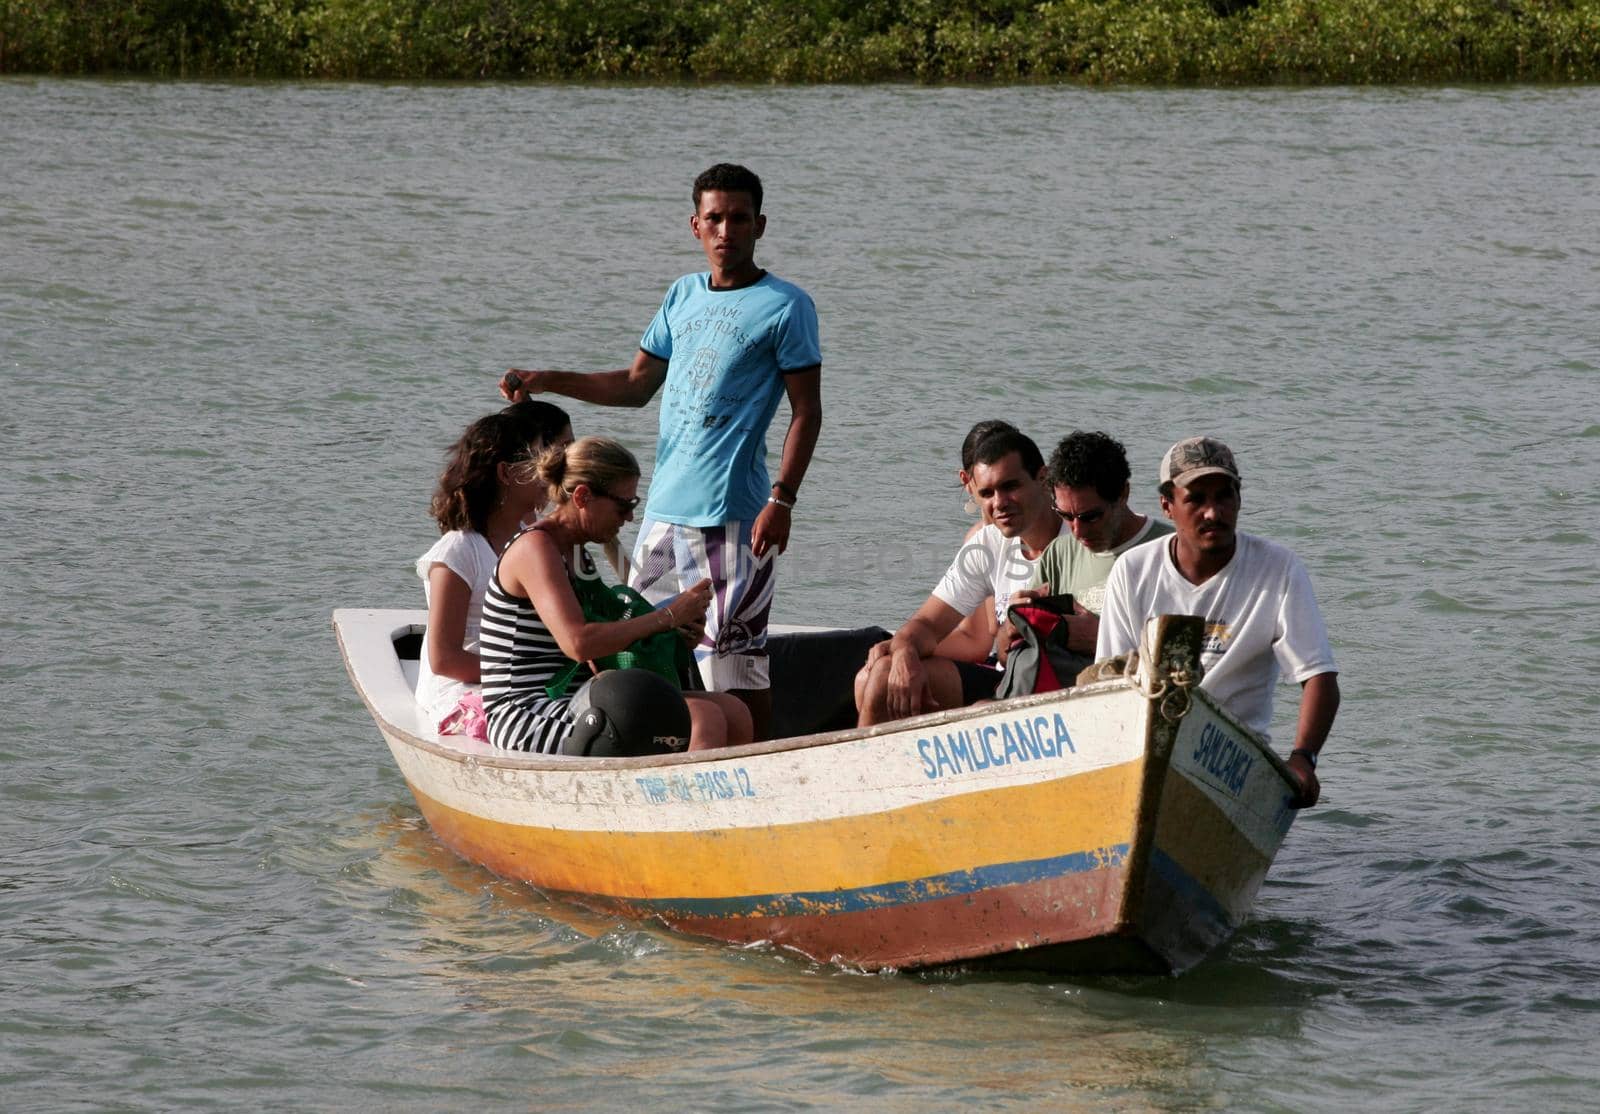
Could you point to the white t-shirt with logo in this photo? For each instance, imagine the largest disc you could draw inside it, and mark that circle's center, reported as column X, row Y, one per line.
column 988, row 564
column 1260, row 613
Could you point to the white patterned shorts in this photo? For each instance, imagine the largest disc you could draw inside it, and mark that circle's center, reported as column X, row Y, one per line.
column 669, row 558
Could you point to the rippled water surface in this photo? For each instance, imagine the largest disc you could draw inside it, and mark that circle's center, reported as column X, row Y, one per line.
column 239, row 324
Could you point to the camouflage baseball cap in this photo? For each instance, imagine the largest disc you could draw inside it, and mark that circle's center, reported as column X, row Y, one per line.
column 1194, row 457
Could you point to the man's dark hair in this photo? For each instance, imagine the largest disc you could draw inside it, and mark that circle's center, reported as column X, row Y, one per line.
column 975, row 436
column 995, row 446
column 728, row 177
column 1090, row 460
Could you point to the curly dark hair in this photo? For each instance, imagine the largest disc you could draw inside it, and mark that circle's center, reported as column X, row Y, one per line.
column 1090, row 460
column 728, row 177
column 470, row 485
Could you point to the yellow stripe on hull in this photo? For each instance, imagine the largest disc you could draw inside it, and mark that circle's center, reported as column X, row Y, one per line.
column 1082, row 813
column 1206, row 843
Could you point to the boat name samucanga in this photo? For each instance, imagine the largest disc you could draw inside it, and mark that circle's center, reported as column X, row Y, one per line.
column 1020, row 740
column 1227, row 761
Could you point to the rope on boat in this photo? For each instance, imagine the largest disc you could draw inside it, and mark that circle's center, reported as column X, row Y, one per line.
column 1107, row 669
column 1170, row 692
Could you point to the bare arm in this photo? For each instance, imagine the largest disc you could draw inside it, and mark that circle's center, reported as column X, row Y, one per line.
column 918, row 639
column 922, row 632
column 1083, row 629
column 449, row 598
column 532, row 568
column 1319, row 703
column 631, row 386
column 974, row 637
column 771, row 529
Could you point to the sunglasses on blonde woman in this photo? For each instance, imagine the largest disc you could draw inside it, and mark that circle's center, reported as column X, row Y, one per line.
column 627, row 505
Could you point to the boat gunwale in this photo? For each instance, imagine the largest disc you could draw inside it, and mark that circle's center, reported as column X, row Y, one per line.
column 513, row 760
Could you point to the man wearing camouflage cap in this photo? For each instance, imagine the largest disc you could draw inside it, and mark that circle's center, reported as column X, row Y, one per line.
column 1255, row 595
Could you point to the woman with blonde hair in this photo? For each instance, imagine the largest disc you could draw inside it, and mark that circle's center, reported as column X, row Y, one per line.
column 489, row 487
column 534, row 626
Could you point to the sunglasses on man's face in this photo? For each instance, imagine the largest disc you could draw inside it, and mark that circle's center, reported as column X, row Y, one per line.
column 1085, row 517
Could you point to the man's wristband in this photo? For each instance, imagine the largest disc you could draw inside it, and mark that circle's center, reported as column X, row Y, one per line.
column 786, row 504
column 1311, row 755
column 794, row 496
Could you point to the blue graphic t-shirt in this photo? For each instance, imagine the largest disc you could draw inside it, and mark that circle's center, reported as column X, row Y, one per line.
column 727, row 352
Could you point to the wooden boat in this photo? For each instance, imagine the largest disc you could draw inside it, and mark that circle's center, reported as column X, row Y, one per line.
column 1122, row 825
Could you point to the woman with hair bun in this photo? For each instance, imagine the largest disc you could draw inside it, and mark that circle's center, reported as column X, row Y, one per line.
column 534, row 627
column 489, row 487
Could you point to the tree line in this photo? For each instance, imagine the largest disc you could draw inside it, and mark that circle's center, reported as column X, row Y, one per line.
column 1186, row 42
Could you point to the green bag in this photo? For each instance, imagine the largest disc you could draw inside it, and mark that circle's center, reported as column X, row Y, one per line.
column 662, row 653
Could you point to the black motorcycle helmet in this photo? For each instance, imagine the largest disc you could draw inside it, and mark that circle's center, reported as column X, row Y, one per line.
column 628, row 712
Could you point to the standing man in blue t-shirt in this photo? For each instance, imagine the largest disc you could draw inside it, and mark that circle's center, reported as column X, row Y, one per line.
column 727, row 344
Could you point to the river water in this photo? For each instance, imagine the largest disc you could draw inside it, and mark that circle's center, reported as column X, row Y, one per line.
column 239, row 323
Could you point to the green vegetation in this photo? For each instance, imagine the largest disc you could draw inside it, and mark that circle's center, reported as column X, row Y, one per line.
column 1224, row 42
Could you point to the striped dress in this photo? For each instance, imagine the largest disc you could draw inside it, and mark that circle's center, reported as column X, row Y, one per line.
column 518, row 657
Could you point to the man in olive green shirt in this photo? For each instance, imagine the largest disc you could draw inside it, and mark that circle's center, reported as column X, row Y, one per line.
column 1088, row 476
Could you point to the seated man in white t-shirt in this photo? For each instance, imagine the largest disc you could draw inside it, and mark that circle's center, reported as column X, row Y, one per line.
column 1255, row 596
column 904, row 676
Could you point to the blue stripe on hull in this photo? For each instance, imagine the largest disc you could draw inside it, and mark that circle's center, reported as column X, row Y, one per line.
column 1207, row 910
column 883, row 896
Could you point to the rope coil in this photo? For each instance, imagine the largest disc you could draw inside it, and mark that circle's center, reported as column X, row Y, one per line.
column 1170, row 693
column 1168, row 690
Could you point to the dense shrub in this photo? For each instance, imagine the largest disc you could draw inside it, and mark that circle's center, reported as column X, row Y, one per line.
column 1144, row 41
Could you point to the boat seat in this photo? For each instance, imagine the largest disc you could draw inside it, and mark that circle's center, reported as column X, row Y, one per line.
column 813, row 678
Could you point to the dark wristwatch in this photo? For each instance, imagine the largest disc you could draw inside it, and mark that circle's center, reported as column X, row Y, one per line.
column 1311, row 755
